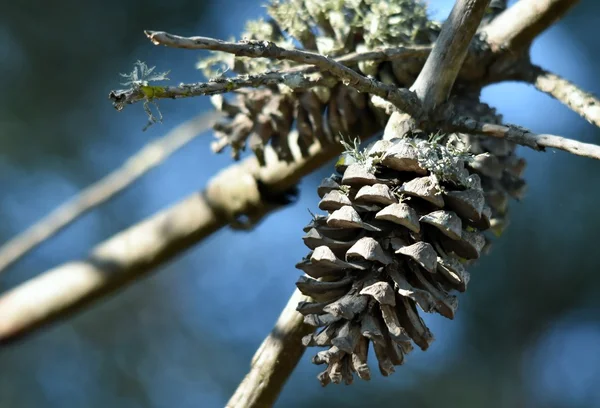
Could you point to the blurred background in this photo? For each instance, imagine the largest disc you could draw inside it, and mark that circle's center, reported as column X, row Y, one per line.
column 528, row 329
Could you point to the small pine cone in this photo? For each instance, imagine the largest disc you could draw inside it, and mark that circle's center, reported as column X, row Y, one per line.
column 395, row 237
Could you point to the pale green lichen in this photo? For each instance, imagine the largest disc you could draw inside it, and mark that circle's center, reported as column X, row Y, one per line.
column 354, row 154
column 444, row 155
column 151, row 92
column 142, row 75
column 389, row 23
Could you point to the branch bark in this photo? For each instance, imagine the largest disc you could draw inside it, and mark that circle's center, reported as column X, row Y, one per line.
column 524, row 137
column 583, row 103
column 295, row 78
column 296, row 81
column 435, row 81
column 242, row 190
column 401, row 98
column 516, row 28
column 275, row 359
column 135, row 167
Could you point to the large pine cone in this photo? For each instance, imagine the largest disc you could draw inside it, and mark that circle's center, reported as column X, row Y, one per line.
column 401, row 221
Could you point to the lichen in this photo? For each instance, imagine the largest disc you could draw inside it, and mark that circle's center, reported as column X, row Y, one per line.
column 142, row 75
column 442, row 155
column 151, row 92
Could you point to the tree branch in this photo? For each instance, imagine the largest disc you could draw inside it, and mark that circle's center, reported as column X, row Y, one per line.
column 524, row 137
column 275, row 359
column 295, row 78
column 403, row 99
column 435, row 81
column 583, row 103
column 245, row 189
column 135, row 167
column 516, row 28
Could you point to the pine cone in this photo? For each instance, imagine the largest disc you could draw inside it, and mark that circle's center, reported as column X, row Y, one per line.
column 401, row 220
column 320, row 114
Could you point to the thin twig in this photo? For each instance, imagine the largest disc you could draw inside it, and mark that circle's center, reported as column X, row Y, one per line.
column 135, row 167
column 402, row 98
column 515, row 134
column 295, row 81
column 435, row 81
column 583, row 103
column 275, row 359
column 524, row 137
column 387, row 54
column 519, row 25
column 295, row 78
column 243, row 190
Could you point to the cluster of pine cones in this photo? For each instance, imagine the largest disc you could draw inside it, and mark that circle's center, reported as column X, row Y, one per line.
column 405, row 216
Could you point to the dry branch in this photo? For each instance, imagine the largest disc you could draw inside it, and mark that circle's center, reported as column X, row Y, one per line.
column 275, row 359
column 135, row 167
column 295, row 81
column 402, row 98
column 581, row 102
column 295, row 78
column 516, row 27
column 244, row 189
column 435, row 81
column 524, row 137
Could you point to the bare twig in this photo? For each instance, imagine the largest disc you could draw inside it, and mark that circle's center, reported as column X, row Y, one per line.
column 401, row 98
column 524, row 137
column 135, row 167
column 519, row 25
column 244, row 189
column 435, row 81
column 275, row 359
column 387, row 54
column 295, row 78
column 581, row 102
